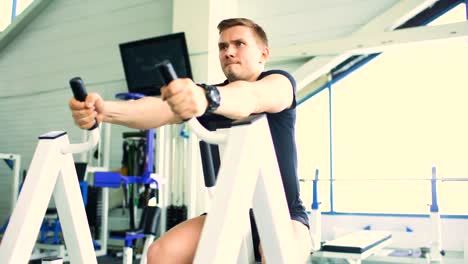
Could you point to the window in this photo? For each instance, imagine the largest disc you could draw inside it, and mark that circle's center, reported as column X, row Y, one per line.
column 313, row 147
column 392, row 120
column 21, row 5
column 5, row 13
column 9, row 9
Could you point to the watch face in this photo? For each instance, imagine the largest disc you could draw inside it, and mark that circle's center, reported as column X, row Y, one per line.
column 214, row 95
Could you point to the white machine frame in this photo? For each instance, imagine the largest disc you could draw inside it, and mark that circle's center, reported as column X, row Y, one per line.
column 249, row 177
column 16, row 176
column 102, row 164
column 52, row 173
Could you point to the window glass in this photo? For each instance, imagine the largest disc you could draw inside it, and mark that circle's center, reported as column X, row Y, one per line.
column 6, row 8
column 5, row 13
column 397, row 117
column 21, row 5
column 313, row 147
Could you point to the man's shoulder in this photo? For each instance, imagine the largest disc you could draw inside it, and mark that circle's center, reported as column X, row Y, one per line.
column 275, row 71
column 281, row 72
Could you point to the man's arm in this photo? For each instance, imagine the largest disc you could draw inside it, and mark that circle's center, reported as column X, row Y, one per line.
column 239, row 99
column 148, row 112
column 145, row 113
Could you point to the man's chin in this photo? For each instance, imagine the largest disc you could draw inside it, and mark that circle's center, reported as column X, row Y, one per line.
column 232, row 76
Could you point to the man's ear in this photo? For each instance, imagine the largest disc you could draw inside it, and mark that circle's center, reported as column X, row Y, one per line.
column 265, row 54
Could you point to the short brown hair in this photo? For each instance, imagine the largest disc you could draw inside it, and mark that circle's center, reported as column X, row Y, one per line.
column 232, row 22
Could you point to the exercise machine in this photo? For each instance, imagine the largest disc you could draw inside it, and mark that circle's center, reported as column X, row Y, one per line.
column 52, row 173
column 432, row 251
column 149, row 221
column 353, row 247
column 14, row 163
column 356, row 246
column 436, row 251
column 248, row 177
column 315, row 216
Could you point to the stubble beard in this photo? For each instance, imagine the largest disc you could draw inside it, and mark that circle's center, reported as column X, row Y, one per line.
column 231, row 76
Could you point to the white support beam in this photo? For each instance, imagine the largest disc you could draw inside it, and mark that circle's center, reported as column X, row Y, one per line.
column 315, row 68
column 202, row 40
column 202, row 34
column 9, row 156
column 396, row 16
column 361, row 44
column 391, row 19
column 412, row 36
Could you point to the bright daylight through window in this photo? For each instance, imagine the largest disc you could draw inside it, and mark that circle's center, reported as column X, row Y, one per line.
column 395, row 118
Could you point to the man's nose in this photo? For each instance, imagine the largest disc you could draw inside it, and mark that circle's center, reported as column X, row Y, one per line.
column 230, row 52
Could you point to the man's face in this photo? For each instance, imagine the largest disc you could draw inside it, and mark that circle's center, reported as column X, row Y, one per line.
column 242, row 57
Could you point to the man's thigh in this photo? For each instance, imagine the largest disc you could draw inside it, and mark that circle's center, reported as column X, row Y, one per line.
column 302, row 241
column 179, row 244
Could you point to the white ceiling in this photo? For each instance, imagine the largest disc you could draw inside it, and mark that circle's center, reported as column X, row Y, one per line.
column 295, row 21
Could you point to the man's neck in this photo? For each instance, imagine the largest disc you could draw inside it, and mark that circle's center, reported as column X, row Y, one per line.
column 252, row 78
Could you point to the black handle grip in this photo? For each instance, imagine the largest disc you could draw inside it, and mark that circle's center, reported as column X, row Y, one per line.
column 78, row 89
column 79, row 92
column 167, row 71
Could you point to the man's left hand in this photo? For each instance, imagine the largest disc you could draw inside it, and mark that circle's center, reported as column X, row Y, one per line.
column 185, row 98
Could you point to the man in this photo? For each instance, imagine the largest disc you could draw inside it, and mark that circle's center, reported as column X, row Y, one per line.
column 243, row 52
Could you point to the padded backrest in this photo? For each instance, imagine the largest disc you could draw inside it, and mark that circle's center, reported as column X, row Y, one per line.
column 150, row 219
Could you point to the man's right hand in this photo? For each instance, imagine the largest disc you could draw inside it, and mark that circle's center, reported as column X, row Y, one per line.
column 86, row 113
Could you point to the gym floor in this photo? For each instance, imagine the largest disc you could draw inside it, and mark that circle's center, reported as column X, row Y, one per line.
column 450, row 258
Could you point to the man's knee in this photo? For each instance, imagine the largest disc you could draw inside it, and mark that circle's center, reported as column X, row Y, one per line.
column 150, row 255
column 161, row 250
column 178, row 245
column 153, row 251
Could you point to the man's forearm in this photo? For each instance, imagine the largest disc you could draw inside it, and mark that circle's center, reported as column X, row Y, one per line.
column 145, row 113
column 240, row 99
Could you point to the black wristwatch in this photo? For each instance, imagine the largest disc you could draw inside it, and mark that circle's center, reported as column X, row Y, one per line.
column 212, row 96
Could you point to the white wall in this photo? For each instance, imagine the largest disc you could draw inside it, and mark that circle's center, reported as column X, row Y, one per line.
column 69, row 38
